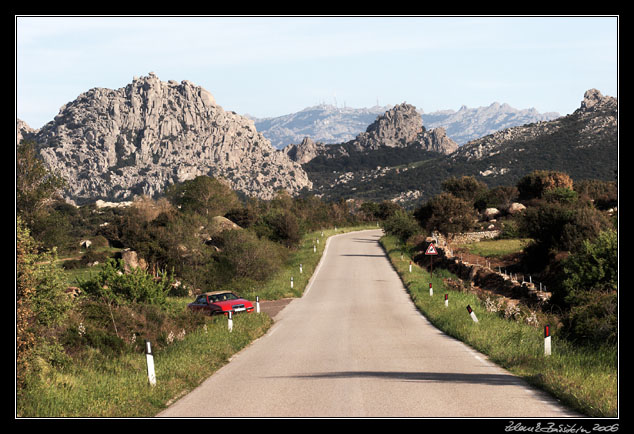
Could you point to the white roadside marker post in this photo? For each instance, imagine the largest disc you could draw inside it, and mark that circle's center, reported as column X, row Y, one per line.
column 472, row 313
column 291, row 282
column 300, row 268
column 446, row 300
column 431, row 290
column 149, row 357
column 230, row 322
column 547, row 348
column 257, row 304
column 410, row 266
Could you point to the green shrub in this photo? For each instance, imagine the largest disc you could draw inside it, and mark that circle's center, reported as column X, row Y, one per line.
column 280, row 226
column 538, row 182
column 594, row 265
column 593, row 317
column 402, row 225
column 244, row 255
column 116, row 286
column 447, row 214
column 562, row 227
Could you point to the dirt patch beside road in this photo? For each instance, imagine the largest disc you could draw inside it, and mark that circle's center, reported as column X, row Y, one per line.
column 273, row 307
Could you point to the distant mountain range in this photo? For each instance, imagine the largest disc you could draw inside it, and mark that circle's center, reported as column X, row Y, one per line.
column 114, row 144
column 332, row 125
column 583, row 144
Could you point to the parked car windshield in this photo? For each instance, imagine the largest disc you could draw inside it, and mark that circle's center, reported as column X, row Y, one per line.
column 223, row 297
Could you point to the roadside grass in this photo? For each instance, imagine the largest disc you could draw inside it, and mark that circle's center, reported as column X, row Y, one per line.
column 497, row 248
column 582, row 378
column 99, row 385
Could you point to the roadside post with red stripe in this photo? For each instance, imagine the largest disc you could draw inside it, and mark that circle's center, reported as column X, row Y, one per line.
column 547, row 348
column 431, row 290
column 472, row 313
column 446, row 300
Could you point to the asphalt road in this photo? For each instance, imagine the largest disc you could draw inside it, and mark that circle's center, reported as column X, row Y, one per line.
column 355, row 346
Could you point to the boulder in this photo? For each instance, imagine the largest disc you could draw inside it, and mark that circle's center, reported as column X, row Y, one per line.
column 515, row 208
column 490, row 213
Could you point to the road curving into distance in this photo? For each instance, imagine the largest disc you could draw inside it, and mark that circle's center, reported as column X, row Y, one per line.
column 355, row 346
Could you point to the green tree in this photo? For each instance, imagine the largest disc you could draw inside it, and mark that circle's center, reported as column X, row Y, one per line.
column 538, row 182
column 590, row 290
column 402, row 225
column 34, row 183
column 593, row 266
column 25, row 290
column 41, row 300
column 447, row 214
column 556, row 226
column 244, row 255
column 466, row 188
column 203, row 195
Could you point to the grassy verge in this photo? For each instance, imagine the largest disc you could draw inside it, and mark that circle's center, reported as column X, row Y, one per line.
column 584, row 379
column 98, row 385
column 497, row 248
column 118, row 387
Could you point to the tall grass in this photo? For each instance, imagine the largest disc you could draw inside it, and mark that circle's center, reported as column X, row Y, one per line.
column 583, row 378
column 118, row 387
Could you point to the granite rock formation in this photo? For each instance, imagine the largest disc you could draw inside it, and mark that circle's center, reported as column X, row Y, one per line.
column 140, row 139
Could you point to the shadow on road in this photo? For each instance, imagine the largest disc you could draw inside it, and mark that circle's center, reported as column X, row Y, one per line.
column 367, row 256
column 492, row 379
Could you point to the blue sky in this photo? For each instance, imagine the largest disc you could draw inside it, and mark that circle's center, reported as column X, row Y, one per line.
column 271, row 66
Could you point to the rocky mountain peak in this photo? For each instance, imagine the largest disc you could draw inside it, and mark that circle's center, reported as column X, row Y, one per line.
column 140, row 139
column 593, row 99
column 402, row 126
column 395, row 128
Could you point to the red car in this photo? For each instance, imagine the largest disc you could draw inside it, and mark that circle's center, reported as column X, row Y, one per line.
column 220, row 302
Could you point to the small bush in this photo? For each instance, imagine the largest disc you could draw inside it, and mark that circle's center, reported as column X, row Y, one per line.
column 402, row 225
column 594, row 318
column 245, row 256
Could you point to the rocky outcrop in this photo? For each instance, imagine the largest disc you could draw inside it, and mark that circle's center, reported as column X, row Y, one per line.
column 437, row 140
column 402, row 126
column 139, row 140
column 399, row 127
column 322, row 123
column 23, row 131
column 304, row 151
